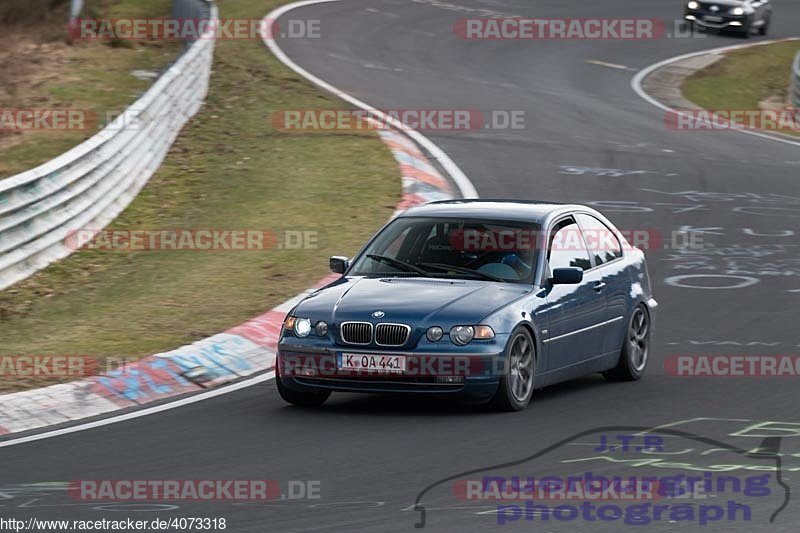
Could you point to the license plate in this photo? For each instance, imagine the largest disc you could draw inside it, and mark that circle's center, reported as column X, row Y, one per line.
column 361, row 362
column 711, row 18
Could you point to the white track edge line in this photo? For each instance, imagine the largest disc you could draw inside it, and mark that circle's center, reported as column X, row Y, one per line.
column 636, row 83
column 142, row 412
column 463, row 183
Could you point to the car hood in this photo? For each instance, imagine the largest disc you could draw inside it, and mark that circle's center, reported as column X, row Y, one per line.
column 728, row 3
column 414, row 301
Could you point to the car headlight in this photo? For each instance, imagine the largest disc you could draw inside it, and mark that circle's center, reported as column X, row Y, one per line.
column 692, row 5
column 462, row 335
column 302, row 327
column 737, row 11
column 434, row 333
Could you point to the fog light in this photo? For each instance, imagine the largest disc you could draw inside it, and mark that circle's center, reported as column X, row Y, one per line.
column 690, row 17
column 435, row 334
column 321, row 329
column 736, row 23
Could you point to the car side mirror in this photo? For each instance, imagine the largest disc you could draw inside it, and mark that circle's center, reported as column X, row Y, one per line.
column 567, row 276
column 339, row 264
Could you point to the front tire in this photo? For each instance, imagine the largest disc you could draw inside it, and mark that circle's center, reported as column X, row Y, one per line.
column 519, row 369
column 764, row 28
column 635, row 348
column 301, row 398
column 746, row 31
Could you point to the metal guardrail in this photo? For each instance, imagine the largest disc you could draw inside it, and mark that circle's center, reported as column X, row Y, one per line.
column 796, row 83
column 88, row 186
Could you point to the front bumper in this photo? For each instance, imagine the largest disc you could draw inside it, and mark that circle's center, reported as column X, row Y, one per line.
column 716, row 20
column 474, row 373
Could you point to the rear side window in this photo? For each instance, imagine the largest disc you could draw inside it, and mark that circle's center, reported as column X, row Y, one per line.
column 602, row 243
column 567, row 248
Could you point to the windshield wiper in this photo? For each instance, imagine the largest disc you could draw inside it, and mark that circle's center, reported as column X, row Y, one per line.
column 463, row 270
column 408, row 267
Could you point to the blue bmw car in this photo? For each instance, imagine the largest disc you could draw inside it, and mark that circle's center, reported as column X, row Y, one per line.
column 484, row 299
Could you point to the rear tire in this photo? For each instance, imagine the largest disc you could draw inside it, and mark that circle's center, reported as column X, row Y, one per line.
column 301, row 398
column 519, row 370
column 635, row 348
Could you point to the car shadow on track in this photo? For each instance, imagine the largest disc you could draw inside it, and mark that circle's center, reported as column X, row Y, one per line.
column 414, row 405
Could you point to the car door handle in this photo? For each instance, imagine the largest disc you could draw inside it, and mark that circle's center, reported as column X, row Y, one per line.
column 598, row 286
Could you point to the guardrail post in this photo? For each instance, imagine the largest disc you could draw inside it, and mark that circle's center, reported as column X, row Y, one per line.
column 796, row 86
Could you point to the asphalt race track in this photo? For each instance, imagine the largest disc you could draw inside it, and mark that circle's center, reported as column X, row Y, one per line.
column 372, row 456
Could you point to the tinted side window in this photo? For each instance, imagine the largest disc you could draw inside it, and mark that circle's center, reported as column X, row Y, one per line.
column 567, row 248
column 603, row 244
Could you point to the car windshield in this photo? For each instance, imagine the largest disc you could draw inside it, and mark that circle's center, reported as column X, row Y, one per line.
column 489, row 250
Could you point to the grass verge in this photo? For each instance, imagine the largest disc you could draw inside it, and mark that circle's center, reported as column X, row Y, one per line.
column 745, row 78
column 39, row 70
column 228, row 169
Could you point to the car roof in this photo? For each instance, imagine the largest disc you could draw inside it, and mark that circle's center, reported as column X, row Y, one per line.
column 511, row 210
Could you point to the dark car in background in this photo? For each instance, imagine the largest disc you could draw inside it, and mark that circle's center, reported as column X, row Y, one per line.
column 740, row 16
column 483, row 299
